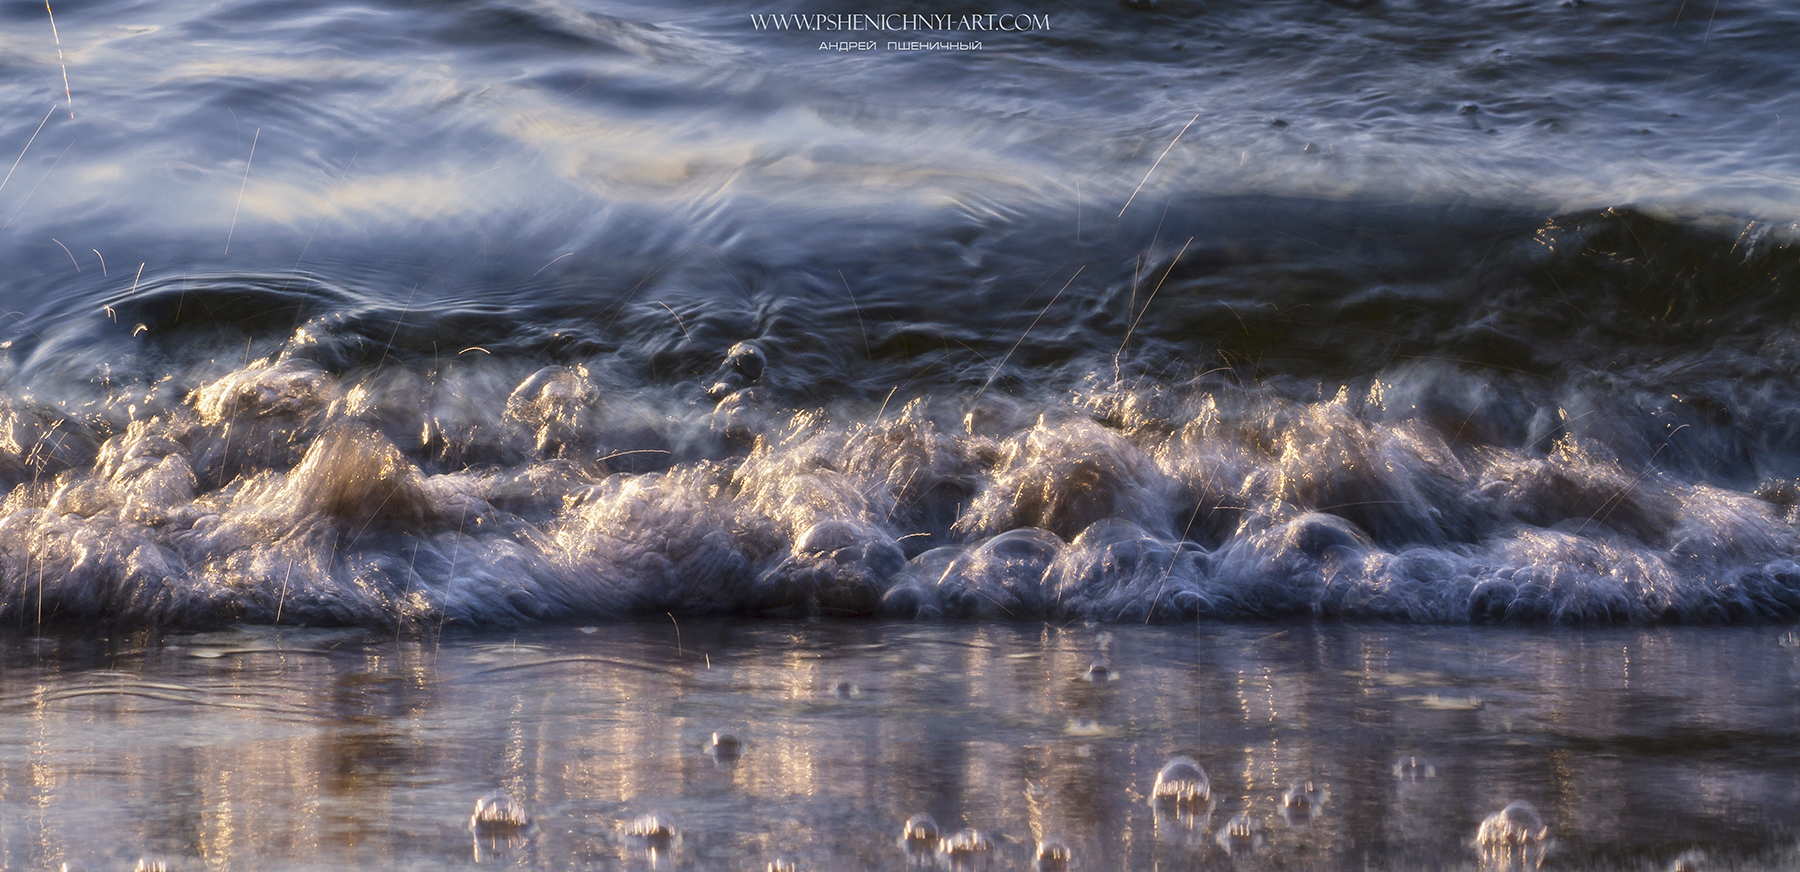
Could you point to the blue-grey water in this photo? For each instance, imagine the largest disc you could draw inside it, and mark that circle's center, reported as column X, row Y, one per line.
column 401, row 402
column 499, row 312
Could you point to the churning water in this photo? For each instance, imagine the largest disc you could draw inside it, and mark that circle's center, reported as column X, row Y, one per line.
column 497, row 312
column 390, row 319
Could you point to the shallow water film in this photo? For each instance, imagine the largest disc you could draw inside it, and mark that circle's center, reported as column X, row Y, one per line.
column 491, row 313
column 1317, row 746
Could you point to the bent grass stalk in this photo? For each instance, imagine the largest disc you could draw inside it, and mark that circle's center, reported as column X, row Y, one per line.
column 284, row 591
column 678, row 322
column 859, row 318
column 67, row 95
column 552, row 260
column 27, row 198
column 241, row 186
column 134, row 286
column 329, row 198
column 1034, row 322
column 28, row 142
column 1159, row 160
column 66, row 251
column 1151, row 299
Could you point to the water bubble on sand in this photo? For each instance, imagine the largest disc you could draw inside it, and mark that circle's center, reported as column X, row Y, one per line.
column 1301, row 804
column 1181, row 785
column 724, row 746
column 1087, row 728
column 1517, row 824
column 653, row 832
column 920, row 835
column 1052, row 856
column 968, row 846
column 499, row 814
column 1688, row 861
column 1242, row 834
column 1514, row 838
column 1414, row 769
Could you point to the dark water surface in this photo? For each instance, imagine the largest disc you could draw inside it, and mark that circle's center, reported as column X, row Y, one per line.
column 256, row 749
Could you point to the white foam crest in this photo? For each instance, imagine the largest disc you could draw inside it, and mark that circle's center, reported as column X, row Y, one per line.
column 660, row 542
column 1396, row 482
column 1117, row 571
column 492, row 492
column 1063, row 475
column 839, row 494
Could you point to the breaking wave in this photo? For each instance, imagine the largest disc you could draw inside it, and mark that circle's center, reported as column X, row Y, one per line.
column 1596, row 425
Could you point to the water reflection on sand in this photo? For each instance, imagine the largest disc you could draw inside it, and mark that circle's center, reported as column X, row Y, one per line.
column 612, row 747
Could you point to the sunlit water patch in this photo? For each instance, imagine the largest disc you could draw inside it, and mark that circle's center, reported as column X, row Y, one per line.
column 1214, row 747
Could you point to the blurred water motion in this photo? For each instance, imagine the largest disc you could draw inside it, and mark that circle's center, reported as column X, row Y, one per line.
column 424, row 317
column 304, row 749
column 499, row 311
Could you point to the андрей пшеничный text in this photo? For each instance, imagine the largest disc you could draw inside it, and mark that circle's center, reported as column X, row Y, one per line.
column 911, row 45
column 904, row 22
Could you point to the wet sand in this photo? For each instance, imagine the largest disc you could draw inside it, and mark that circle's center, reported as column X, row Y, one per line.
column 282, row 749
